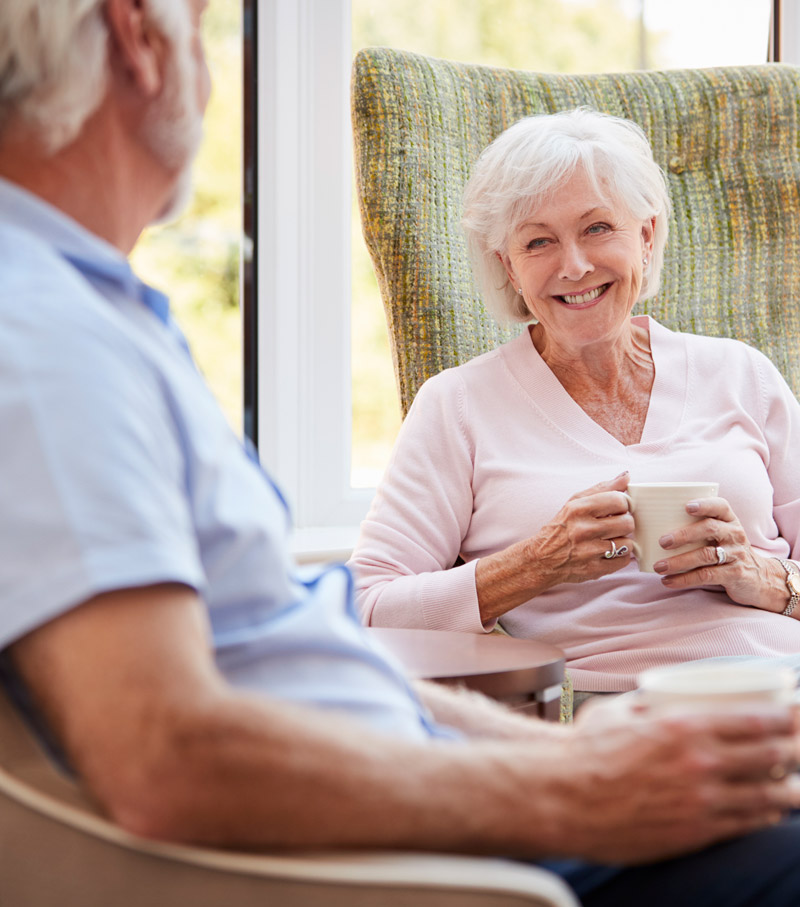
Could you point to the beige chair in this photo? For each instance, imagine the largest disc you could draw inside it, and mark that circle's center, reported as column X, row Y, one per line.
column 56, row 850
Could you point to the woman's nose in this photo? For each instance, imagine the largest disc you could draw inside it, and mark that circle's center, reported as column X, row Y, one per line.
column 574, row 262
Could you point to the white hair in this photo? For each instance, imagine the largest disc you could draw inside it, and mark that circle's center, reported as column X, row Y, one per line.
column 528, row 162
column 54, row 61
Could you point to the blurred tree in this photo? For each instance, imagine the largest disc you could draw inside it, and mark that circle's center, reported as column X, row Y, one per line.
column 546, row 35
column 196, row 259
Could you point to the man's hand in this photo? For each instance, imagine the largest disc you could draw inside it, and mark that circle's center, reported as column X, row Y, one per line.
column 647, row 787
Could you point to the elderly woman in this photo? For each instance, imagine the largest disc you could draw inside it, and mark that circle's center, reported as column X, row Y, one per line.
column 499, row 501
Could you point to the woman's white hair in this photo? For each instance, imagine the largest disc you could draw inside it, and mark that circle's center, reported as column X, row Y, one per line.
column 528, row 162
column 54, row 61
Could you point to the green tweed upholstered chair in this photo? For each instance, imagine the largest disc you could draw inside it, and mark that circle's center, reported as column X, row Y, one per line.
column 727, row 138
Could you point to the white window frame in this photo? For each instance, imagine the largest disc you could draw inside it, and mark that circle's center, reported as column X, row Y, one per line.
column 789, row 51
column 303, row 306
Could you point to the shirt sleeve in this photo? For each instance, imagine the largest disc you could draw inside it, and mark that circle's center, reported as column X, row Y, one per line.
column 411, row 539
column 782, row 434
column 93, row 490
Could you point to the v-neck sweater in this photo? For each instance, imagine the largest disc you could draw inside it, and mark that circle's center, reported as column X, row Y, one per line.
column 491, row 450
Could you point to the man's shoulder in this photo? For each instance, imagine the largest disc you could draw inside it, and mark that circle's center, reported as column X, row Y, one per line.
column 24, row 255
column 47, row 304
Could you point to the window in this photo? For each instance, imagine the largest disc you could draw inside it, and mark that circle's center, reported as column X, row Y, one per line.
column 300, row 405
column 196, row 259
column 302, row 249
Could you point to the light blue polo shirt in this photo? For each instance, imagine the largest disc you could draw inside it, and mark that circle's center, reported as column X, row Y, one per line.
column 117, row 470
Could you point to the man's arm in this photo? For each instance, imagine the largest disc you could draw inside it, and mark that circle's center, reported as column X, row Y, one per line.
column 129, row 685
column 479, row 716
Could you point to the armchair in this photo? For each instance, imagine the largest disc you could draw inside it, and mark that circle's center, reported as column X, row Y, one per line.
column 56, row 850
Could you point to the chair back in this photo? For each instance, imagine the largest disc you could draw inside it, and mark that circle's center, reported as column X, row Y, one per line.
column 727, row 139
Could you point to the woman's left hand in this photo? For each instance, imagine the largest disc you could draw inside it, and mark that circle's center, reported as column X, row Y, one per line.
column 725, row 559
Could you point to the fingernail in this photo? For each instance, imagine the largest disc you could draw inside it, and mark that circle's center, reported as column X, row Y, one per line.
column 625, row 472
column 692, row 507
column 660, row 566
column 666, row 541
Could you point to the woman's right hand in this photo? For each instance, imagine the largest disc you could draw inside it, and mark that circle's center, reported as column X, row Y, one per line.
column 571, row 548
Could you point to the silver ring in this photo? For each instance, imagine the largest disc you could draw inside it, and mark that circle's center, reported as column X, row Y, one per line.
column 722, row 555
column 621, row 551
column 612, row 551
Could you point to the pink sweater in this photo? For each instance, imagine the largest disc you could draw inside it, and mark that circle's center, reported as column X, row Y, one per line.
column 491, row 450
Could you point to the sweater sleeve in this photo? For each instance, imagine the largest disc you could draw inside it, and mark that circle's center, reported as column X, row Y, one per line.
column 782, row 434
column 411, row 538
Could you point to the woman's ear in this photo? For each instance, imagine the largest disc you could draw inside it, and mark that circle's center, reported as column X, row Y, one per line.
column 506, row 263
column 648, row 234
column 139, row 49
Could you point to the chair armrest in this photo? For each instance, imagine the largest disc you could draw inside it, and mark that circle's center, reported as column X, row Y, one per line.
column 56, row 850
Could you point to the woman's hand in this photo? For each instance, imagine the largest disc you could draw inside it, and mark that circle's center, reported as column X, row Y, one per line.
column 748, row 578
column 589, row 537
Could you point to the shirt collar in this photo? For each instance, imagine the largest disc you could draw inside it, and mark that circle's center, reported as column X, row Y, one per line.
column 92, row 256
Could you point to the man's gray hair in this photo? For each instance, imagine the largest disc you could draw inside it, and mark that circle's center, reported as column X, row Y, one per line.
column 528, row 162
column 54, row 61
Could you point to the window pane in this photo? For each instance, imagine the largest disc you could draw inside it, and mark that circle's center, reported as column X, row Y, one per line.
column 196, row 259
column 701, row 33
column 545, row 35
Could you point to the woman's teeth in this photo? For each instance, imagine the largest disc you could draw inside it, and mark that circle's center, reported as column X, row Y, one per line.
column 584, row 297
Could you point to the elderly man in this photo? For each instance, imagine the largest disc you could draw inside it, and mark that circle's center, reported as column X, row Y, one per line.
column 150, row 619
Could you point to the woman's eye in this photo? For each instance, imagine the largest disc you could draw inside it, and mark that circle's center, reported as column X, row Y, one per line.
column 599, row 228
column 536, row 243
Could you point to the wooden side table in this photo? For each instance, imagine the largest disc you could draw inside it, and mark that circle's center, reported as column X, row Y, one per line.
column 522, row 673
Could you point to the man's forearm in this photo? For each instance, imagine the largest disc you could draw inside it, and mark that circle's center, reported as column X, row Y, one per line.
column 251, row 773
column 241, row 771
column 129, row 686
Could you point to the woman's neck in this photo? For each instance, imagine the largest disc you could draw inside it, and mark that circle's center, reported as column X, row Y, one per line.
column 610, row 381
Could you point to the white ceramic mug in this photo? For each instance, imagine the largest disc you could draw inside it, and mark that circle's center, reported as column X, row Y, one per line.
column 721, row 686
column 659, row 508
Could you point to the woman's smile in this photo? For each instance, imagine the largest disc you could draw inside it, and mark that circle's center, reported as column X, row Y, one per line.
column 585, row 297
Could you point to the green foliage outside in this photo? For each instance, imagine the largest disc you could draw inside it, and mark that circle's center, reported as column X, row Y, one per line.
column 195, row 260
column 545, row 35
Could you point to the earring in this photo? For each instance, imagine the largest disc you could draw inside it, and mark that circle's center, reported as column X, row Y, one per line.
column 644, row 261
column 519, row 290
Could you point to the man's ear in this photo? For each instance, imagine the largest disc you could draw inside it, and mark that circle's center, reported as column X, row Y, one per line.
column 138, row 48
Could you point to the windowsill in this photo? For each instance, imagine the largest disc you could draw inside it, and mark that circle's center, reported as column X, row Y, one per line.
column 323, row 544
